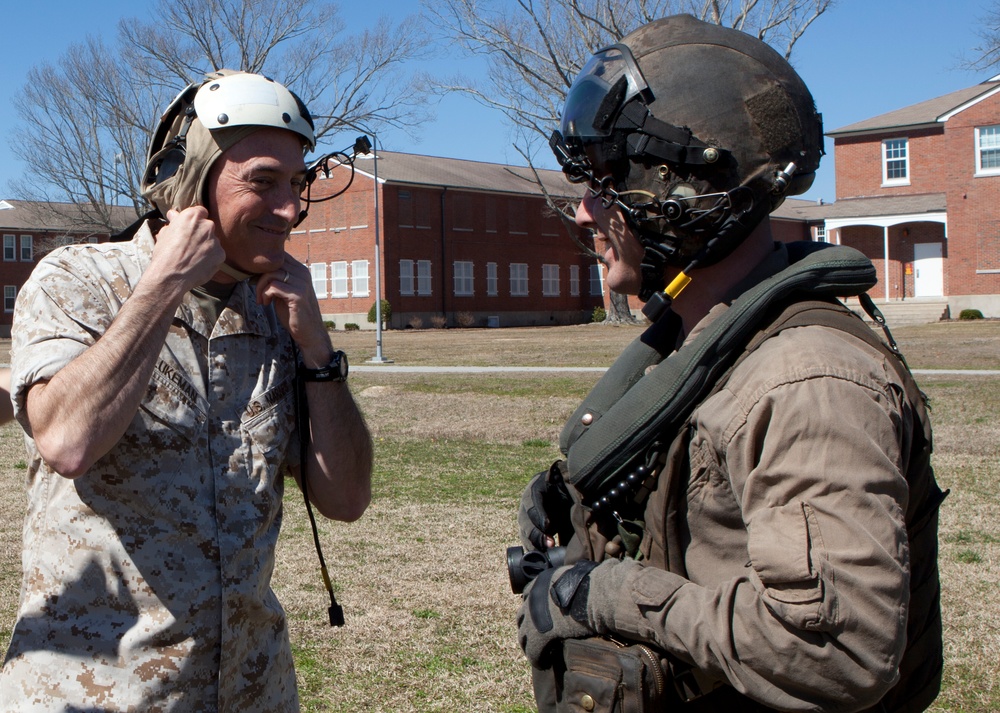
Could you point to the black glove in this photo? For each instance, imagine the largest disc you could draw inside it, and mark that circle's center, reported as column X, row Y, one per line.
column 544, row 510
column 554, row 608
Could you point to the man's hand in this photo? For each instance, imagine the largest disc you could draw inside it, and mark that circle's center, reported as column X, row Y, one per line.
column 554, row 608
column 544, row 510
column 187, row 253
column 290, row 289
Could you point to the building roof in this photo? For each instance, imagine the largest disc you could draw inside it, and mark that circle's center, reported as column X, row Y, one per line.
column 58, row 217
column 414, row 169
column 799, row 209
column 884, row 206
column 927, row 113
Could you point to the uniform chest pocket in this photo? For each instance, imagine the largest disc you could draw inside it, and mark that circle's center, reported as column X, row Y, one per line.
column 174, row 403
column 268, row 424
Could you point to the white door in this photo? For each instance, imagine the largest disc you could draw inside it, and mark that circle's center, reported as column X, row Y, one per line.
column 928, row 270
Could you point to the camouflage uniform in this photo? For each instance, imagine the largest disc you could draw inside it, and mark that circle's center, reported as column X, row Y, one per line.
column 146, row 580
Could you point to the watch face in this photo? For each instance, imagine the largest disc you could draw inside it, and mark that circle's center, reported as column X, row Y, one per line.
column 341, row 359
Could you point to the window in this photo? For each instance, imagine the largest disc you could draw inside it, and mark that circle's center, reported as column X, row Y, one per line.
column 895, row 162
column 517, row 217
column 406, row 277
column 463, row 278
column 491, row 279
column 8, row 248
column 987, row 149
column 318, row 272
column 338, row 279
column 463, row 218
column 821, row 233
column 405, row 209
column 550, row 280
column 518, row 279
column 423, row 277
column 574, row 280
column 27, row 248
column 596, row 280
column 359, row 278
column 9, row 297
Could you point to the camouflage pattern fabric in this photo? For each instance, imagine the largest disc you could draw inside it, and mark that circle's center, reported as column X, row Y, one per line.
column 147, row 580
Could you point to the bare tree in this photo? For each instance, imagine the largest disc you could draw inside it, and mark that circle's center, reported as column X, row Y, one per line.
column 535, row 48
column 86, row 120
column 986, row 55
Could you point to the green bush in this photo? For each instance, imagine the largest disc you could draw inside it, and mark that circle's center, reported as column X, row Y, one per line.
column 386, row 313
column 351, row 327
column 329, row 324
column 970, row 314
column 599, row 315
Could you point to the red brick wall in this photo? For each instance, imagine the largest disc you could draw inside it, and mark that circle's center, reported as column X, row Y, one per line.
column 445, row 225
column 859, row 164
column 942, row 160
column 973, row 205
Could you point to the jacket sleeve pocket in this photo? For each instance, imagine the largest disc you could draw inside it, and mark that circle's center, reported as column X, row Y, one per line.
column 786, row 552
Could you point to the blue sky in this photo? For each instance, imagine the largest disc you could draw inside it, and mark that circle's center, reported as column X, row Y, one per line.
column 861, row 59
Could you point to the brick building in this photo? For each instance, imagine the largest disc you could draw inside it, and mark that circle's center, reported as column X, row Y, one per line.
column 30, row 229
column 917, row 191
column 464, row 242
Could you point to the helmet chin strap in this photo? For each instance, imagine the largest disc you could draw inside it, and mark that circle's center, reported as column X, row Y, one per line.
column 728, row 237
column 234, row 273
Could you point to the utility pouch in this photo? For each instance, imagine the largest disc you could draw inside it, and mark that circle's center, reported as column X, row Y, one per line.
column 605, row 676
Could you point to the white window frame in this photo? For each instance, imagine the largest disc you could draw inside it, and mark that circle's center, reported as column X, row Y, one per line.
column 338, row 279
column 821, row 234
column 27, row 248
column 990, row 145
column 9, row 248
column 519, row 279
column 891, row 149
column 406, row 278
column 550, row 280
column 464, row 284
column 574, row 280
column 492, row 288
column 596, row 280
column 9, row 297
column 359, row 278
column 317, row 271
column 424, row 288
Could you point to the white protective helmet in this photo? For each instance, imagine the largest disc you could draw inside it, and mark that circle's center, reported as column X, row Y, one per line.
column 207, row 118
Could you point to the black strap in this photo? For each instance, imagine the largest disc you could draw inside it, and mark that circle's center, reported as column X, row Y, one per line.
column 335, row 611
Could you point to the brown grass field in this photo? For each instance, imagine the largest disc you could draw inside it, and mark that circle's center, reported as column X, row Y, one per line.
column 422, row 575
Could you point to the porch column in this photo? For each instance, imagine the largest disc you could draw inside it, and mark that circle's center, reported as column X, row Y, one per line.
column 885, row 264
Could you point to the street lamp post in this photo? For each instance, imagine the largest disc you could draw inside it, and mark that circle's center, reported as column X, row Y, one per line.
column 378, row 358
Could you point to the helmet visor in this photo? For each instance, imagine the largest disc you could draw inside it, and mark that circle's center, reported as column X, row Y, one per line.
column 588, row 112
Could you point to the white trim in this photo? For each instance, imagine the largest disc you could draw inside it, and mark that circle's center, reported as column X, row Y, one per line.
column 972, row 102
column 905, row 180
column 980, row 171
column 885, row 221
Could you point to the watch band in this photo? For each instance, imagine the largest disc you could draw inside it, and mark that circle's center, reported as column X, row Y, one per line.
column 336, row 370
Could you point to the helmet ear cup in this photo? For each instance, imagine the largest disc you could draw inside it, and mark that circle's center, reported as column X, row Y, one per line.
column 165, row 164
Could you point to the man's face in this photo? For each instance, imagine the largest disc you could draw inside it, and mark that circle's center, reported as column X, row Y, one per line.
column 614, row 241
column 254, row 198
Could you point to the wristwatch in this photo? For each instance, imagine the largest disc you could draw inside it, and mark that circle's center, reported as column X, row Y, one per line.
column 336, row 370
